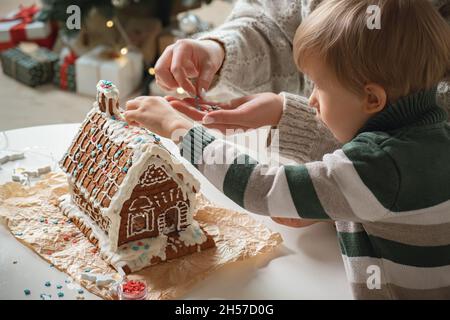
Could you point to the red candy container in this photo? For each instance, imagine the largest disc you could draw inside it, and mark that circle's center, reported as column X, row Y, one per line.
column 133, row 290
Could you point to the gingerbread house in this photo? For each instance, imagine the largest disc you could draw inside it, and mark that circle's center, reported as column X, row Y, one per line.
column 128, row 193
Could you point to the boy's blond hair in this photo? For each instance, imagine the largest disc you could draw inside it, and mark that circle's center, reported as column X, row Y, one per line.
column 409, row 53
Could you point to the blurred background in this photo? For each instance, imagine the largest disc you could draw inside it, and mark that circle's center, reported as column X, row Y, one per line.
column 52, row 59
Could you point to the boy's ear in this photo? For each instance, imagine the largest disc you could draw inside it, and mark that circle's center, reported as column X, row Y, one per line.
column 376, row 98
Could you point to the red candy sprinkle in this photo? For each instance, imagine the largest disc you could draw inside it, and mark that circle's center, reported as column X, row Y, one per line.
column 140, row 243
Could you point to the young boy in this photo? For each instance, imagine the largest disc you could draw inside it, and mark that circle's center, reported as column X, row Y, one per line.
column 388, row 188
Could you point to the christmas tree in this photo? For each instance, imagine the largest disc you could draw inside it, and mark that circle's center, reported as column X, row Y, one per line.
column 163, row 10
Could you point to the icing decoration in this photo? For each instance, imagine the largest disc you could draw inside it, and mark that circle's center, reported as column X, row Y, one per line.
column 11, row 157
column 108, row 98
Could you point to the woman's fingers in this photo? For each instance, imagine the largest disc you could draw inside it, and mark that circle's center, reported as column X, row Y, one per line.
column 164, row 77
column 182, row 52
column 205, row 77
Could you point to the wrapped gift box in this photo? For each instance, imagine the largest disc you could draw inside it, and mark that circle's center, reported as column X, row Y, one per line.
column 19, row 26
column 29, row 64
column 64, row 70
column 125, row 71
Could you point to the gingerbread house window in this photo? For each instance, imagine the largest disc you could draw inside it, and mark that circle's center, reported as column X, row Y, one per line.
column 140, row 222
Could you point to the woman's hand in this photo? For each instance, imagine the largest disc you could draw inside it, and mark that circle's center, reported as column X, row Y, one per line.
column 188, row 59
column 250, row 112
column 156, row 114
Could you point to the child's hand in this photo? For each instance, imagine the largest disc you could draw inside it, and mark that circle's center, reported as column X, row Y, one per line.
column 156, row 114
column 245, row 113
column 294, row 223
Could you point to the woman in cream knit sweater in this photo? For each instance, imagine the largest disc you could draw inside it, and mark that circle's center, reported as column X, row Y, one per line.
column 250, row 53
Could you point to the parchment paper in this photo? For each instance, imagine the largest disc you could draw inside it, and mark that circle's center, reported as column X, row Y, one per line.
column 33, row 218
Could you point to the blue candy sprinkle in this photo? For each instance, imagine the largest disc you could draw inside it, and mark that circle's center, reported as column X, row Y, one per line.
column 45, row 296
column 19, row 234
column 146, row 247
column 80, row 166
column 91, row 170
column 113, row 117
column 59, row 286
column 135, row 248
column 80, row 291
column 92, row 130
column 108, row 145
column 27, row 292
column 60, row 294
column 99, row 146
column 138, row 139
column 125, row 169
column 93, row 154
column 48, row 284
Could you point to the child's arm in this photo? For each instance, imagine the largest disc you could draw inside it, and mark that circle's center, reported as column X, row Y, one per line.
column 336, row 188
column 356, row 183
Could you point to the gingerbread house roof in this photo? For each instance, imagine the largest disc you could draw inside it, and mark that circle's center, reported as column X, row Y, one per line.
column 107, row 157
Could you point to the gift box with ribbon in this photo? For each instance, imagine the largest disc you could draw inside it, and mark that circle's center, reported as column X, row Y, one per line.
column 64, row 71
column 124, row 70
column 20, row 26
column 29, row 64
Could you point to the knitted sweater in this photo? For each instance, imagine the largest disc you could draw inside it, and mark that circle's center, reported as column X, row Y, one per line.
column 257, row 38
column 388, row 190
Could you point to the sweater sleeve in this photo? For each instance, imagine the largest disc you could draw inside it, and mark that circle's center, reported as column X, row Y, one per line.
column 330, row 189
column 300, row 135
column 257, row 38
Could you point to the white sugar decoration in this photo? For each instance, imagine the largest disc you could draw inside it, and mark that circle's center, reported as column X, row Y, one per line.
column 13, row 156
column 23, row 175
column 108, row 98
column 154, row 176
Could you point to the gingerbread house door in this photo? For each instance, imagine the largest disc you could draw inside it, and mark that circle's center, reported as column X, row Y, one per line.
column 169, row 220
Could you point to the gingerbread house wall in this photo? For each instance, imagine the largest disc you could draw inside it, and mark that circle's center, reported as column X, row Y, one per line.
column 157, row 206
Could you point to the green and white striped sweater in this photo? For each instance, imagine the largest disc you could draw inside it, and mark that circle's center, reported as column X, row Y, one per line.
column 388, row 191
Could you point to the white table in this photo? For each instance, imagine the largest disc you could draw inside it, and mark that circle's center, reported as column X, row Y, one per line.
column 307, row 265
